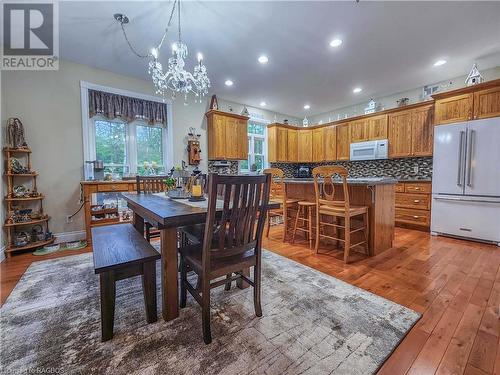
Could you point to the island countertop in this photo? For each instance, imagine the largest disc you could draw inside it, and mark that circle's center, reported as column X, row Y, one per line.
column 350, row 181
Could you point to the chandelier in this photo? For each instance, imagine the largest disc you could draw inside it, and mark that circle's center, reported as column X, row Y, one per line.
column 176, row 79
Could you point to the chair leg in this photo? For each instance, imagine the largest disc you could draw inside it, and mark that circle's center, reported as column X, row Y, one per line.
column 256, row 289
column 295, row 225
column 310, row 227
column 318, row 218
column 183, row 291
column 108, row 295
column 285, row 222
column 149, row 290
column 366, row 221
column 228, row 284
column 347, row 239
column 205, row 307
column 268, row 225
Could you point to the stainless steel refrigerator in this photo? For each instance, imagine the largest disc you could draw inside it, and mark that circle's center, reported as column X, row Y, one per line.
column 466, row 180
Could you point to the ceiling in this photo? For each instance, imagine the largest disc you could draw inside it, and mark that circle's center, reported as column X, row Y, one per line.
column 388, row 47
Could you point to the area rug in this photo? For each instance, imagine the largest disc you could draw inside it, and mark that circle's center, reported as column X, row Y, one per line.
column 312, row 324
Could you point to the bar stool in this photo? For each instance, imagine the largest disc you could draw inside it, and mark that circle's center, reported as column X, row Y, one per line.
column 328, row 206
column 306, row 208
column 278, row 193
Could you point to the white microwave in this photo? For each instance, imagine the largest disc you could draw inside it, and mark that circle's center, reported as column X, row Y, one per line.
column 370, row 150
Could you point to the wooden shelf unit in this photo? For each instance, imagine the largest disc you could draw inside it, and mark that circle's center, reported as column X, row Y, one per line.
column 12, row 202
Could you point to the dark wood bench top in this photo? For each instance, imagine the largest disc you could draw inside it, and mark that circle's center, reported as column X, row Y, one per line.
column 120, row 245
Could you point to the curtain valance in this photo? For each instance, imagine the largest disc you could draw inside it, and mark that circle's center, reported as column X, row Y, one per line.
column 126, row 108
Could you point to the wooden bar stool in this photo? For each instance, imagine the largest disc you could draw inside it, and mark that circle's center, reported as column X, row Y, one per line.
column 278, row 193
column 337, row 209
column 306, row 208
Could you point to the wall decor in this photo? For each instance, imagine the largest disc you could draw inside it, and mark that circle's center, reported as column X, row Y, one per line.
column 402, row 102
column 245, row 112
column 15, row 133
column 474, row 76
column 194, row 148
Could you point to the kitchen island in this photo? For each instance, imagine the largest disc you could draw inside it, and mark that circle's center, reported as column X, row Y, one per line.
column 376, row 193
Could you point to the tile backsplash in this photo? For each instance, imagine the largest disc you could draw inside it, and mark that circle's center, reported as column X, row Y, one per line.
column 407, row 168
column 231, row 169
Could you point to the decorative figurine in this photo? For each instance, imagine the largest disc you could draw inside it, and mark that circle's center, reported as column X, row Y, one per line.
column 214, row 103
column 15, row 133
column 245, row 112
column 402, row 102
column 305, row 122
column 474, row 76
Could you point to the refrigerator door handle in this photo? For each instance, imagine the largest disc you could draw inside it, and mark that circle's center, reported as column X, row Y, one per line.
column 466, row 200
column 470, row 155
column 460, row 157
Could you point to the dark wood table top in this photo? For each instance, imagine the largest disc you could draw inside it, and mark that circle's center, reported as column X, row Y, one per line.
column 168, row 213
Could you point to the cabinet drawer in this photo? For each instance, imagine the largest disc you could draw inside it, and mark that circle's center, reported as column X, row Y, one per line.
column 417, row 217
column 400, row 188
column 407, row 200
column 418, row 187
column 112, row 187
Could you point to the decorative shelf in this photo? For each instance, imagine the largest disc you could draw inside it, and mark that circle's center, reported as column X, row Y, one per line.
column 24, row 199
column 34, row 174
column 19, row 150
column 31, row 245
column 18, row 224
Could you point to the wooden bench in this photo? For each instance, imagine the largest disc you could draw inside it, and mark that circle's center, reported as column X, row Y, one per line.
column 120, row 252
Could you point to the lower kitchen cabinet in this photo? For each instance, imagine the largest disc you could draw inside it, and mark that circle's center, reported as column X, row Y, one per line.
column 413, row 205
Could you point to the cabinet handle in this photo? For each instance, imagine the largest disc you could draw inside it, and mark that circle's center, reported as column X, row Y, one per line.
column 415, row 216
column 416, row 201
column 417, row 188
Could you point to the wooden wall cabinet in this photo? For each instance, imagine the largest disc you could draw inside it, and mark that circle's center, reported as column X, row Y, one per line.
column 305, row 138
column 278, row 144
column 318, row 145
column 411, row 132
column 487, row 103
column 292, row 145
column 454, row 109
column 359, row 130
column 227, row 136
column 330, row 142
column 377, row 127
column 343, row 142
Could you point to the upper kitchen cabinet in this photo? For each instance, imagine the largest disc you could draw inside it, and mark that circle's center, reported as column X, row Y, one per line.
column 318, row 145
column 330, row 142
column 359, row 130
column 305, row 139
column 292, row 145
column 278, row 143
column 343, row 142
column 410, row 132
column 227, row 136
column 377, row 127
column 468, row 103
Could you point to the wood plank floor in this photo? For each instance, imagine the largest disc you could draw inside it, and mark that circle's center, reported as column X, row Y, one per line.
column 454, row 284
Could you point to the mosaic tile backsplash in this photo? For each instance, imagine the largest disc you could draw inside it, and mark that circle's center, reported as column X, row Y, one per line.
column 402, row 169
column 232, row 169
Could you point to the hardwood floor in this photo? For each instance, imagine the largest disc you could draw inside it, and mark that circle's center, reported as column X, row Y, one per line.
column 454, row 284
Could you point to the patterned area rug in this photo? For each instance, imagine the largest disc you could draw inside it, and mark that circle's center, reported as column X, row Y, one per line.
column 311, row 324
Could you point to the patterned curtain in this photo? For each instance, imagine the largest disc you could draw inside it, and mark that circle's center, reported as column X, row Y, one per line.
column 126, row 108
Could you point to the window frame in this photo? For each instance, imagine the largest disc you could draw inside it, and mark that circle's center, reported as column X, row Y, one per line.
column 251, row 144
column 88, row 129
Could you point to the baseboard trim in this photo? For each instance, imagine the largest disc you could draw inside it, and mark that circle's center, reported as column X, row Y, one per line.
column 69, row 236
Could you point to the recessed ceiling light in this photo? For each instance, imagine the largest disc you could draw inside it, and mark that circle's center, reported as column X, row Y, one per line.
column 228, row 82
column 263, row 59
column 307, row 106
column 262, row 104
column 357, row 90
column 440, row 62
column 336, row 43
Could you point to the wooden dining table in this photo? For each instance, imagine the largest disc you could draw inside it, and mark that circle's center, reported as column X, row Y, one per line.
column 168, row 215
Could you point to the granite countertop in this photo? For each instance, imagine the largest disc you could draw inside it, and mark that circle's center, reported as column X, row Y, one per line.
column 352, row 181
column 409, row 179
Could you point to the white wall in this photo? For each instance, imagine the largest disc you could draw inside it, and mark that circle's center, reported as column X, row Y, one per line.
column 48, row 104
column 389, row 101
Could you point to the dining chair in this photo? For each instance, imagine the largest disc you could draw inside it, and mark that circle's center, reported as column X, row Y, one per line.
column 150, row 185
column 278, row 192
column 331, row 205
column 231, row 243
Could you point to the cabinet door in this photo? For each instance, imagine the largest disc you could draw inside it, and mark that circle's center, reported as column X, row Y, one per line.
column 216, row 137
column 292, row 146
column 377, row 127
column 281, row 144
column 330, row 142
column 454, row 109
column 305, row 146
column 317, row 145
column 232, row 142
column 242, row 140
column 400, row 134
column 343, row 142
column 272, row 144
column 359, row 130
column 487, row 103
column 422, row 131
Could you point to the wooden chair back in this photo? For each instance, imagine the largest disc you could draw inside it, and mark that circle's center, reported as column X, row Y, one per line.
column 245, row 202
column 151, row 184
column 278, row 187
column 325, row 194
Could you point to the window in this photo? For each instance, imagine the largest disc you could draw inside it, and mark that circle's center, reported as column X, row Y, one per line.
column 129, row 147
column 256, row 147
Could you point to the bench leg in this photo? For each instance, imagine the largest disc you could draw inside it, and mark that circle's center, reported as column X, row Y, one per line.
column 108, row 294
column 149, row 290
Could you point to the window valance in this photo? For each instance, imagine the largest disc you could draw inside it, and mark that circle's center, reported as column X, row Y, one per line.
column 126, row 108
